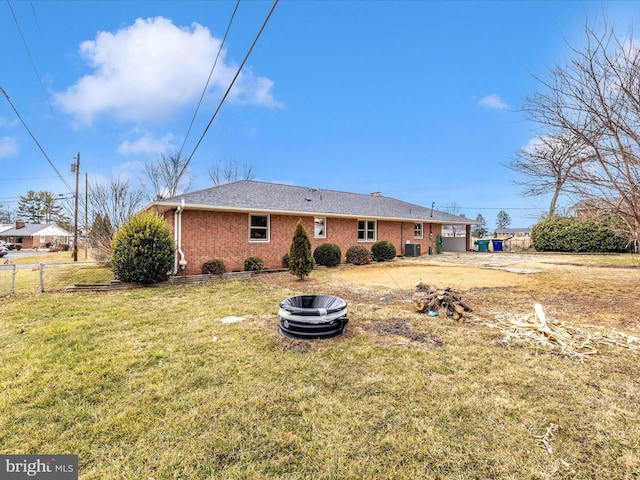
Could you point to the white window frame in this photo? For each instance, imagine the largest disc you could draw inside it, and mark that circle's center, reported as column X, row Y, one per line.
column 418, row 230
column 366, row 230
column 267, row 228
column 43, row 238
column 317, row 231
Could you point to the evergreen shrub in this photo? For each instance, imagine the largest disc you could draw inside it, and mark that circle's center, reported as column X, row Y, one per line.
column 327, row 254
column 569, row 234
column 383, row 251
column 253, row 264
column 300, row 259
column 143, row 250
column 214, row 267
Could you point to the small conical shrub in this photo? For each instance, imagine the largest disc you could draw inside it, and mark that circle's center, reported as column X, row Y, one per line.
column 300, row 259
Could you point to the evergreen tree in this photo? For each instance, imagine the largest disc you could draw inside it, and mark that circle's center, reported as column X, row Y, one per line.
column 41, row 207
column 503, row 220
column 300, row 258
column 5, row 215
column 480, row 230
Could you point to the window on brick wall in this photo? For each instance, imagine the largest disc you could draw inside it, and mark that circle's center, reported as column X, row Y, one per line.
column 258, row 228
column 417, row 230
column 366, row 230
column 320, row 227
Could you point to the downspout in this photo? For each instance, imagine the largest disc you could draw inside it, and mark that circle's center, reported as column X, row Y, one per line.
column 180, row 261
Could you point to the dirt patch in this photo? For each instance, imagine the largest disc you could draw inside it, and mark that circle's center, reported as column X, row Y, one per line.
column 397, row 332
column 571, row 288
column 406, row 276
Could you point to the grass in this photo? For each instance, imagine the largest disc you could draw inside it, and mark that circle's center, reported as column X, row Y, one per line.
column 149, row 383
column 59, row 272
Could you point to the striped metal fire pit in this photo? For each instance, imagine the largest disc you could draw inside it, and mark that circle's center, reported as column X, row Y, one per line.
column 313, row 316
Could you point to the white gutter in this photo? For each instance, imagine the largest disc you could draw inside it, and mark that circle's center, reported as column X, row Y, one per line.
column 181, row 263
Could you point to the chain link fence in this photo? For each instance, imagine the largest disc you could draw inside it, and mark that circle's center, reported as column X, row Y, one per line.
column 51, row 277
column 7, row 279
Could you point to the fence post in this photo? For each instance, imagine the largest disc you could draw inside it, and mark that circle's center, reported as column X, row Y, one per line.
column 42, row 278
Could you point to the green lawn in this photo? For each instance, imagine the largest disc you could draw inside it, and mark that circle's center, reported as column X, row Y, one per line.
column 149, row 383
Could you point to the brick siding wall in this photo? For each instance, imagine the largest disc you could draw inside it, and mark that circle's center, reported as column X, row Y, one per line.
column 210, row 235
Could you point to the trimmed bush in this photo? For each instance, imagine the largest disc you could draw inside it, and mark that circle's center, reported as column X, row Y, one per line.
column 300, row 259
column 253, row 264
column 285, row 261
column 358, row 255
column 214, row 267
column 569, row 234
column 383, row 251
column 327, row 254
column 143, row 250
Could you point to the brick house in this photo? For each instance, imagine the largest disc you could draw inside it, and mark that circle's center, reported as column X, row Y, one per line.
column 34, row 235
column 247, row 218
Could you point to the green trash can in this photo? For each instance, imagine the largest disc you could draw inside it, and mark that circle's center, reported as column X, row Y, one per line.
column 483, row 245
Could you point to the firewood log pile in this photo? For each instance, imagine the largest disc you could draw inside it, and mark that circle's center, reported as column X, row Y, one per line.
column 444, row 303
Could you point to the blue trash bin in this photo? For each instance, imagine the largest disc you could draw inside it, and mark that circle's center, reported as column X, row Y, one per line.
column 497, row 245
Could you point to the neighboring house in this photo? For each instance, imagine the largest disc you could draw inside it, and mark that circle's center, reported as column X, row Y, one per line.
column 594, row 207
column 238, row 220
column 5, row 226
column 513, row 232
column 34, row 235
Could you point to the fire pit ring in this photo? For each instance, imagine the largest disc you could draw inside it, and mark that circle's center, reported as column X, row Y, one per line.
column 313, row 316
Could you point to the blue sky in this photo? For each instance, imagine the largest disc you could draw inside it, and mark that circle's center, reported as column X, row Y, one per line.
column 418, row 100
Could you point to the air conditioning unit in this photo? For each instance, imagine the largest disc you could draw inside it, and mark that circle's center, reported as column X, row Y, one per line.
column 412, row 250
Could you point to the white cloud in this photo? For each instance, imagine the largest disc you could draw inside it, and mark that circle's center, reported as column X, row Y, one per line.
column 150, row 70
column 494, row 102
column 147, row 144
column 8, row 147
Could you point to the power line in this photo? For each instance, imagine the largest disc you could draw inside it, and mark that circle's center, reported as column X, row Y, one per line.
column 231, row 85
column 26, row 46
column 27, row 178
column 37, row 143
column 204, row 90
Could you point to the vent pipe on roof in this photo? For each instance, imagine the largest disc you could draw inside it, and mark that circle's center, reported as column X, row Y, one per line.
column 376, row 194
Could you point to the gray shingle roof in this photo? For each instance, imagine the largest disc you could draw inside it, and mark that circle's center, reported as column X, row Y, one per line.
column 253, row 196
column 31, row 229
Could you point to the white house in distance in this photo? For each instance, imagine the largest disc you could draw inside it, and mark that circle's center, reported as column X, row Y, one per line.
column 34, row 235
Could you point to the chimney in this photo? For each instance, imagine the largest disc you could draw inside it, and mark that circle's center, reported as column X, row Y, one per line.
column 19, row 224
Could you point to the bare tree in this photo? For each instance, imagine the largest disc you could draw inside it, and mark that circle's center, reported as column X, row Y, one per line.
column 595, row 98
column 229, row 170
column 456, row 230
column 116, row 200
column 549, row 162
column 168, row 176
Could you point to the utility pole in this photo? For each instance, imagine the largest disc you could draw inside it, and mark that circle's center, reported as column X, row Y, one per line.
column 86, row 215
column 76, row 168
